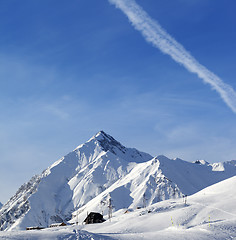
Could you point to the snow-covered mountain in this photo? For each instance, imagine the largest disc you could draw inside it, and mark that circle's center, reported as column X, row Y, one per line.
column 102, row 169
column 1, row 204
column 70, row 183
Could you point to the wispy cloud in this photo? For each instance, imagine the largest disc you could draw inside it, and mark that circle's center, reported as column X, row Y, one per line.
column 159, row 38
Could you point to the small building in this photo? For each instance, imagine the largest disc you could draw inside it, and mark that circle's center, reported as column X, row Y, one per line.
column 94, row 217
column 34, row 228
column 57, row 224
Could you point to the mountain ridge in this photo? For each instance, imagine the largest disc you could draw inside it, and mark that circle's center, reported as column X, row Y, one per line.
column 103, row 168
column 158, row 180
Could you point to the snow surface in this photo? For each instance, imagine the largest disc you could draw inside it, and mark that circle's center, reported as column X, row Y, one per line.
column 102, row 169
column 208, row 214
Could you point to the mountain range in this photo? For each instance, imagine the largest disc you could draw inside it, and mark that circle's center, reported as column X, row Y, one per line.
column 103, row 171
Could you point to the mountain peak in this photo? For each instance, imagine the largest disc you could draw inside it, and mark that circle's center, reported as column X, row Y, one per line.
column 102, row 134
column 107, row 142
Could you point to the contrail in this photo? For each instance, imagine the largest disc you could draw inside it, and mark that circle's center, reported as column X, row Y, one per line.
column 159, row 38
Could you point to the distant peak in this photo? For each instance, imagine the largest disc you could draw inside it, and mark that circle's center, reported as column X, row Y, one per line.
column 201, row 162
column 162, row 158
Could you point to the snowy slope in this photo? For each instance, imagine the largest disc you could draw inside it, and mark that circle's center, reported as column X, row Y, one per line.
column 156, row 180
column 208, row 215
column 100, row 169
column 70, row 183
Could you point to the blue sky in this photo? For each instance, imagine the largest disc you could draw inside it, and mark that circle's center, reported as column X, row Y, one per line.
column 71, row 68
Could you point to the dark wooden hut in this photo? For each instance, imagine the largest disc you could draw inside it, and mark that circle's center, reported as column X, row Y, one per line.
column 94, row 217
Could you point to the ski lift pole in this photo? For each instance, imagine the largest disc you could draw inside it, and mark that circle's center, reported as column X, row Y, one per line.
column 144, row 201
column 77, row 218
column 109, row 209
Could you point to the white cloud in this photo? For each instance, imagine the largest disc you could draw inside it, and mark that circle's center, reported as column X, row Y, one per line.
column 159, row 38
